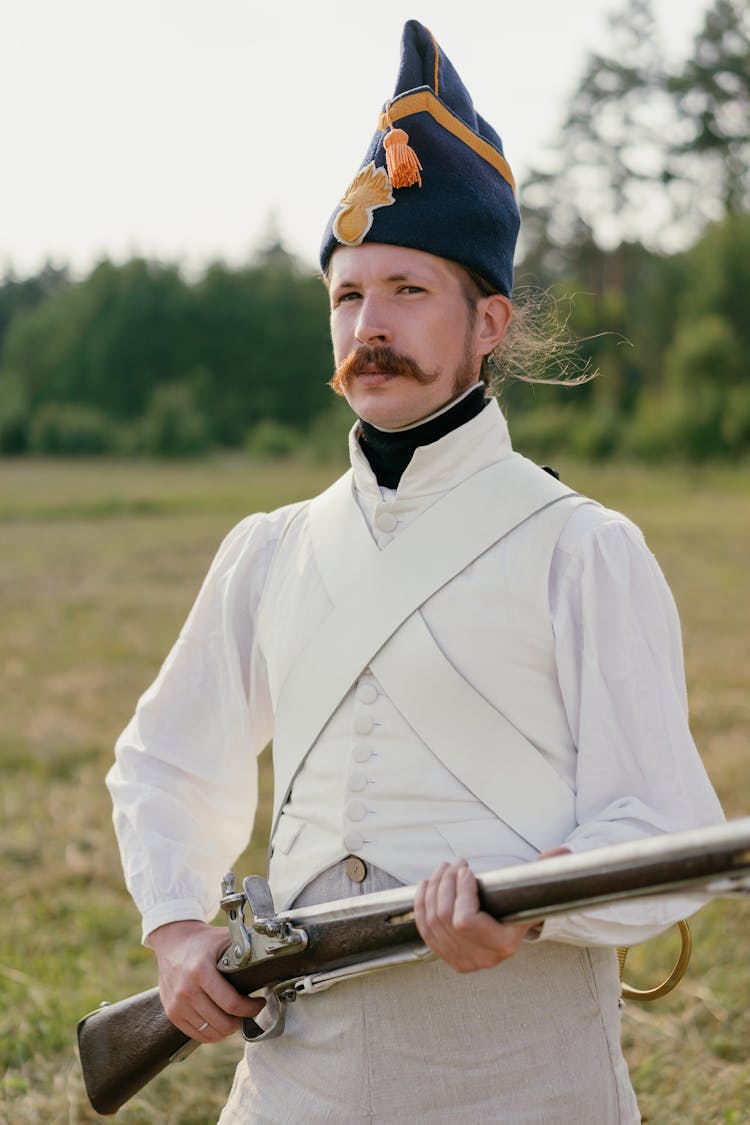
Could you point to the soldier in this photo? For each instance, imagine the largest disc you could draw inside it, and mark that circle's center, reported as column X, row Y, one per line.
column 462, row 665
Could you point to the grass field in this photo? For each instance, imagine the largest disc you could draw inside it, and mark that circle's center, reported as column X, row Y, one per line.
column 98, row 567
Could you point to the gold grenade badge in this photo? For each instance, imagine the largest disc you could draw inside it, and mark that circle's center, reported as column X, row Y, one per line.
column 369, row 189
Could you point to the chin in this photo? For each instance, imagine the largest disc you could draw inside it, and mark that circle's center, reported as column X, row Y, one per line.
column 391, row 419
column 378, row 411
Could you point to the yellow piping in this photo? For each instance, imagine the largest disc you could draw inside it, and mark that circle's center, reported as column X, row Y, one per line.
column 424, row 101
column 437, row 59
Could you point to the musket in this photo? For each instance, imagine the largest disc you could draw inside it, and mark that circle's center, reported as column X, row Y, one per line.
column 124, row 1045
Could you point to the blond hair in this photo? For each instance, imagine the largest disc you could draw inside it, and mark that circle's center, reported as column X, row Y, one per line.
column 538, row 346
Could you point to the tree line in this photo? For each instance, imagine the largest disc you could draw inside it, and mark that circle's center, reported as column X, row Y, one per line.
column 137, row 359
column 639, row 224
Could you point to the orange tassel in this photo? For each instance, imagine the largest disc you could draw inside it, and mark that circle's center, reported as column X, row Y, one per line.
column 401, row 161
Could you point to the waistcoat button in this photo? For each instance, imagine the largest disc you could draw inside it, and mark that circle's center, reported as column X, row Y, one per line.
column 367, row 693
column 353, row 841
column 357, row 782
column 355, row 868
column 386, row 521
column 363, row 724
column 356, row 810
column 361, row 752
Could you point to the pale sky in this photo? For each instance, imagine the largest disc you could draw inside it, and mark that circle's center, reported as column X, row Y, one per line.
column 174, row 129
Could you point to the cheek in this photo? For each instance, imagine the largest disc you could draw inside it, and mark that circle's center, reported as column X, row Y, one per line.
column 341, row 337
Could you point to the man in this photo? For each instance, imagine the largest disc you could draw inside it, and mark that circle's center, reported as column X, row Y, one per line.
column 462, row 665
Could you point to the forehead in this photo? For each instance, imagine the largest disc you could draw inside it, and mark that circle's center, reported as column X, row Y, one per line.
column 375, row 261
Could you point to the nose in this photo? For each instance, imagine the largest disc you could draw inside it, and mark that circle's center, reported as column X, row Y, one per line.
column 372, row 326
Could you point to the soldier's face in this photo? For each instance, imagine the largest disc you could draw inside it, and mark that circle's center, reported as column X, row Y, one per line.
column 402, row 319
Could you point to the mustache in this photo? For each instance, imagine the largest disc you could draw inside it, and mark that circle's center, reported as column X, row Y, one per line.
column 384, row 359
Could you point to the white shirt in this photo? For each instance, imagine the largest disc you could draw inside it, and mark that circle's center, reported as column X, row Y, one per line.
column 184, row 783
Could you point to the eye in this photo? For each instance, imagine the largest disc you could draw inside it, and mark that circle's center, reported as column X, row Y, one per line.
column 347, row 296
column 411, row 289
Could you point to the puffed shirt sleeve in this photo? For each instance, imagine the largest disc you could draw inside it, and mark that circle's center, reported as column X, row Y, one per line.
column 620, row 668
column 184, row 782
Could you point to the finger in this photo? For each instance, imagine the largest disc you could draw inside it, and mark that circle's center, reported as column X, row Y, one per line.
column 202, row 1020
column 445, row 898
column 202, row 1032
column 212, row 1000
column 429, row 891
column 481, row 941
column 431, row 898
column 419, row 908
column 469, row 918
column 209, row 1023
column 425, row 903
column 441, row 894
column 455, row 927
column 466, row 901
column 462, row 918
column 228, row 1000
column 445, row 902
column 561, row 850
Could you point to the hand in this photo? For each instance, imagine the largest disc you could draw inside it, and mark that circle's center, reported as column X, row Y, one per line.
column 446, row 909
column 193, row 991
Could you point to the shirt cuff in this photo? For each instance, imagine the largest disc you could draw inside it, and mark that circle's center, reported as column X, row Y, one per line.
column 179, row 910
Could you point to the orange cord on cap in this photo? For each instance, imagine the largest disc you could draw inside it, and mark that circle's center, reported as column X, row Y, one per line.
column 401, row 161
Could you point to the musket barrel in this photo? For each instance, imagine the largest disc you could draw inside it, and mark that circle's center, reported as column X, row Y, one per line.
column 559, row 884
column 124, row 1045
column 666, row 864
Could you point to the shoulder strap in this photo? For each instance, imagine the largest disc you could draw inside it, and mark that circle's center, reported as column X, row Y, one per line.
column 476, row 742
column 383, row 588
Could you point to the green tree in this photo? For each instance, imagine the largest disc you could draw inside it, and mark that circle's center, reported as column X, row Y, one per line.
column 647, row 151
column 17, row 294
column 14, row 414
column 701, row 405
column 712, row 92
column 606, row 176
column 240, row 347
column 107, row 341
column 173, row 425
column 70, row 429
column 263, row 335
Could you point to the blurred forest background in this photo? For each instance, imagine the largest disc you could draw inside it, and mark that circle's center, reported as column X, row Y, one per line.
column 638, row 223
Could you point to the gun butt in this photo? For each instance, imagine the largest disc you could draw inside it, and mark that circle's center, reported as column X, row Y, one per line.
column 122, row 1046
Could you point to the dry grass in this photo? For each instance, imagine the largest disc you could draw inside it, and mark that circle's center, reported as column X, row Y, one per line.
column 98, row 567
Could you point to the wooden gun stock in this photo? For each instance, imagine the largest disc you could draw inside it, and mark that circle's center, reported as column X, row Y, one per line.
column 123, row 1046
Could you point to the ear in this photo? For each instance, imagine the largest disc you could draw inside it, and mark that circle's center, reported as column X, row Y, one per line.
column 493, row 315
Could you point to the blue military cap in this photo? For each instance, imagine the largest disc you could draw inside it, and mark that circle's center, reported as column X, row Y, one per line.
column 434, row 177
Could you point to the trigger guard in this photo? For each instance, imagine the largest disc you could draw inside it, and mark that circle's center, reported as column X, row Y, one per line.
column 269, row 1022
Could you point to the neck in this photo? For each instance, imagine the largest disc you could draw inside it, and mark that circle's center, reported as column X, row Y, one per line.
column 390, row 451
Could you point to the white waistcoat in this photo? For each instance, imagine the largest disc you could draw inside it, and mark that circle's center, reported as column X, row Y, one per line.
column 369, row 784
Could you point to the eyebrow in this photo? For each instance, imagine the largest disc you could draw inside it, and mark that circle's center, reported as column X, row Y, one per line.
column 346, row 284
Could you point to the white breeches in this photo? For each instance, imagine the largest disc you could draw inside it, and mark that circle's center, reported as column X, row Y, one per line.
column 535, row 1041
